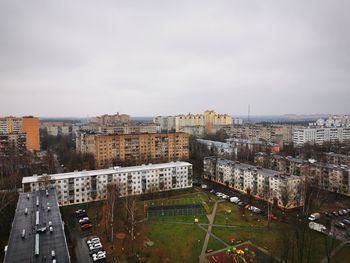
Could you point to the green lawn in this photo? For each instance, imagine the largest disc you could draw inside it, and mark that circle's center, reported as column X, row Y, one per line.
column 174, row 242
column 343, row 255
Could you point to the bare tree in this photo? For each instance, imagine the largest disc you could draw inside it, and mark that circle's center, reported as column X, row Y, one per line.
column 113, row 193
column 130, row 206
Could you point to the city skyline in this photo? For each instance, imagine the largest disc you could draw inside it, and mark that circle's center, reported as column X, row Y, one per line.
column 79, row 59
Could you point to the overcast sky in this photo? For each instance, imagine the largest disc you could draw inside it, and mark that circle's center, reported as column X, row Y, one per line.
column 144, row 58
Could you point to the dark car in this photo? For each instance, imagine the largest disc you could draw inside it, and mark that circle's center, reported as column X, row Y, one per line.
column 340, row 225
column 86, row 226
column 346, row 221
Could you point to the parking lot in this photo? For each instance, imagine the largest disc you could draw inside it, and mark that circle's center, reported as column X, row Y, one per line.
column 80, row 234
column 339, row 231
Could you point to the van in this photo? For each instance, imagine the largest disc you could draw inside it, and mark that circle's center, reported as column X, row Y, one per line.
column 234, row 199
column 23, row 233
column 26, row 211
column 53, row 254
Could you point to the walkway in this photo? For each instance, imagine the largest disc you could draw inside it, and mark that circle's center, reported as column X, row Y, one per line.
column 206, row 240
column 335, row 251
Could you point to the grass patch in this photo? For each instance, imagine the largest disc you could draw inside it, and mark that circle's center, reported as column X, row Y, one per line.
column 343, row 254
column 174, row 242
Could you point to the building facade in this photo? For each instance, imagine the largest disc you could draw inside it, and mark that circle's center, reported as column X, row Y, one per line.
column 283, row 190
column 281, row 134
column 28, row 125
column 320, row 135
column 209, row 120
column 329, row 177
column 87, row 186
column 110, row 119
column 166, row 123
column 133, row 148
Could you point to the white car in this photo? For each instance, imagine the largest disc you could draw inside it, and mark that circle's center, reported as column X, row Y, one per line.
column 234, row 199
column 99, row 253
column 93, row 240
column 95, row 258
column 219, row 194
column 83, row 220
column 94, row 246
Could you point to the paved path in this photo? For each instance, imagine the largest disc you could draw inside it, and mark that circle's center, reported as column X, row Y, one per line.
column 335, row 251
column 206, row 240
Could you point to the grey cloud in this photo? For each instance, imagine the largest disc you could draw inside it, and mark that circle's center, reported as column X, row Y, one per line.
column 167, row 57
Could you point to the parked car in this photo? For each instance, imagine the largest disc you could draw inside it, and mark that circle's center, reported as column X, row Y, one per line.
column 234, row 199
column 346, row 221
column 79, row 211
column 344, row 211
column 86, row 226
column 335, row 213
column 340, row 213
column 340, row 225
column 84, row 219
column 94, row 246
column 314, row 216
column 93, row 240
column 273, row 217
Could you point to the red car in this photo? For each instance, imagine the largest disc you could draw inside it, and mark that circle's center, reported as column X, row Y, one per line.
column 86, row 226
column 273, row 217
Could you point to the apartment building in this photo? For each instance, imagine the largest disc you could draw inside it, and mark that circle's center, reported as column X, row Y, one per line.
column 86, row 186
column 336, row 158
column 27, row 125
column 166, row 123
column 283, row 190
column 281, row 134
column 320, row 135
column 329, row 177
column 37, row 230
column 209, row 120
column 110, row 119
column 129, row 128
column 133, row 148
column 12, row 143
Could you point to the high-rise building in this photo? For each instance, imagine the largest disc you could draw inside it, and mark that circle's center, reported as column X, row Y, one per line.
column 209, row 120
column 30, row 126
column 27, row 125
column 133, row 148
column 320, row 135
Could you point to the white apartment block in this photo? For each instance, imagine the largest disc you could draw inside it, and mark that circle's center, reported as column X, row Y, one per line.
column 166, row 123
column 86, row 186
column 316, row 135
column 273, row 186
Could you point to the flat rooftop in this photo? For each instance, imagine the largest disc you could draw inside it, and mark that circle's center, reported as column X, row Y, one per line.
column 114, row 170
column 23, row 249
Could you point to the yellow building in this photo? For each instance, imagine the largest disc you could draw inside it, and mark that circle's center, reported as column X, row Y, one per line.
column 133, row 149
column 209, row 120
column 28, row 125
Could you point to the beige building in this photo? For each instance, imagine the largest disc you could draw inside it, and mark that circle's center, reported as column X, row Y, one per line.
column 260, row 132
column 283, row 190
column 111, row 150
column 209, row 120
column 329, row 177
